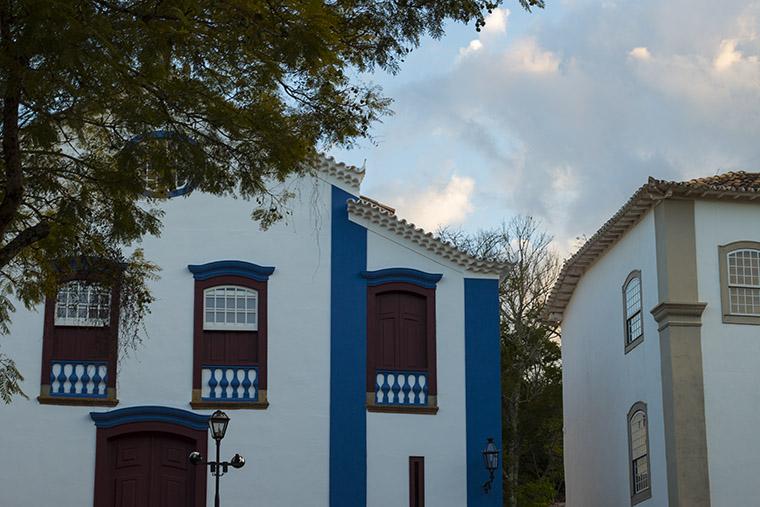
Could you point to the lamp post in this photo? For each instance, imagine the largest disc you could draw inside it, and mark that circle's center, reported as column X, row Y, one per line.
column 491, row 460
column 217, row 423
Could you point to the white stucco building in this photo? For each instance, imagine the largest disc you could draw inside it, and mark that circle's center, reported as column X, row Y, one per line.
column 660, row 345
column 356, row 355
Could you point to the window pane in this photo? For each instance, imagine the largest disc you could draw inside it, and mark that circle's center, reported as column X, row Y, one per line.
column 640, row 474
column 744, row 300
column 633, row 297
column 634, row 327
column 83, row 303
column 230, row 306
column 744, row 268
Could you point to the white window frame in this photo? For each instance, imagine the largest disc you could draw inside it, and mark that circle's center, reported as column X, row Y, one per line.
column 76, row 320
column 231, row 326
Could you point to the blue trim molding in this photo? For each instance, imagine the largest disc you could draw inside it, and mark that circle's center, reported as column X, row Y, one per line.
column 150, row 413
column 231, row 268
column 165, row 134
column 483, row 386
column 348, row 357
column 403, row 275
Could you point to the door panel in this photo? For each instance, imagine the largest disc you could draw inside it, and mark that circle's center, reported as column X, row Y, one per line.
column 151, row 469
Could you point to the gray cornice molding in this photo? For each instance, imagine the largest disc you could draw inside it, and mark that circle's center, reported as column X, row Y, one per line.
column 673, row 313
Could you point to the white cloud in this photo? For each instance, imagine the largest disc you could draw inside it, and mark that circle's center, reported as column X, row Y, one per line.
column 526, row 55
column 640, row 53
column 560, row 125
column 728, row 55
column 496, row 22
column 439, row 205
column 494, row 29
column 472, row 47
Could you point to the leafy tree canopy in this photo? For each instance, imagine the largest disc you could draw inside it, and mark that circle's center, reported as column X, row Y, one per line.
column 103, row 100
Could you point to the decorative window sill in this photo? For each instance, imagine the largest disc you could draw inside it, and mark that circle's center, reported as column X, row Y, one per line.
column 230, row 405
column 73, row 401
column 632, row 345
column 402, row 409
column 753, row 320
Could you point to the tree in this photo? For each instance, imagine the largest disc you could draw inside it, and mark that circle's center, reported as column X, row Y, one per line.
column 531, row 361
column 105, row 100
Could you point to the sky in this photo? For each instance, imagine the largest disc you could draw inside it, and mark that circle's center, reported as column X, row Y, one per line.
column 561, row 114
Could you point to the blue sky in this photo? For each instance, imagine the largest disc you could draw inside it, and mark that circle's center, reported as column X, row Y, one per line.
column 561, row 114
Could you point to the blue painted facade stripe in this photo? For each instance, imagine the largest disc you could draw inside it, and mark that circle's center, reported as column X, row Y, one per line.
column 231, row 268
column 150, row 413
column 483, row 387
column 406, row 275
column 348, row 357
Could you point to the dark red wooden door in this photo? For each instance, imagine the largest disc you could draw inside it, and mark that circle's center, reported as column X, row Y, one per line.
column 151, row 469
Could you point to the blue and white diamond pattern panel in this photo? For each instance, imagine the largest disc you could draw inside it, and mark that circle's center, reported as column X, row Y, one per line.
column 401, row 388
column 80, row 379
column 230, row 383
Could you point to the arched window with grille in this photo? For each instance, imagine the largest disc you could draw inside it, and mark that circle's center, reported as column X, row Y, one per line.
column 740, row 282
column 638, row 445
column 632, row 315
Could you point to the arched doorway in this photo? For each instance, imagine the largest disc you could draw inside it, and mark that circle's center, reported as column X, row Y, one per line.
column 142, row 458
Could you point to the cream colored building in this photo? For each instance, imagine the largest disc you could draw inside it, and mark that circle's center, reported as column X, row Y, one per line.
column 661, row 349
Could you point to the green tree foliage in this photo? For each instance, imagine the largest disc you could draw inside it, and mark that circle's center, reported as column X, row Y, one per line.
column 531, row 374
column 103, row 100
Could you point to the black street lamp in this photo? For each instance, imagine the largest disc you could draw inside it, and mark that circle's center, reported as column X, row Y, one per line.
column 217, row 423
column 491, row 459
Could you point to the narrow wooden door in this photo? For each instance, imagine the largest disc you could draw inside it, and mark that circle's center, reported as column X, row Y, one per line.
column 151, row 469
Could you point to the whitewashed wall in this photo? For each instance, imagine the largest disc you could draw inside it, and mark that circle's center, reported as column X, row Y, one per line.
column 48, row 452
column 601, row 382
column 440, row 438
column 731, row 360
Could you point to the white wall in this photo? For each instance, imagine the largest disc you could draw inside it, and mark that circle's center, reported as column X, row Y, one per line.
column 48, row 452
column 731, row 360
column 601, row 382
column 440, row 438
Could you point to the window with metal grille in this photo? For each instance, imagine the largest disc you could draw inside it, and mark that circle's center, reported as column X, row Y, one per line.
column 634, row 328
column 639, row 452
column 80, row 303
column 230, row 307
column 744, row 281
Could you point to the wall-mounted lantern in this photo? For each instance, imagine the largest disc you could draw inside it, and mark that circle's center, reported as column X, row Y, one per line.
column 491, row 460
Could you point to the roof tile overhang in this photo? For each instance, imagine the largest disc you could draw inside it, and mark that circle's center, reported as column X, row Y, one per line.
column 349, row 175
column 733, row 186
column 384, row 217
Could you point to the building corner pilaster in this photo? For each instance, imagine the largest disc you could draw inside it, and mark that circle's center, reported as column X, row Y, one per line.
column 679, row 318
